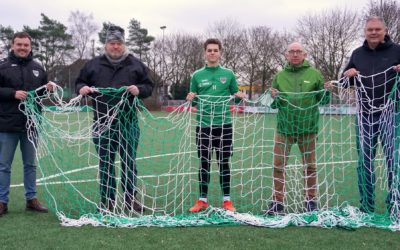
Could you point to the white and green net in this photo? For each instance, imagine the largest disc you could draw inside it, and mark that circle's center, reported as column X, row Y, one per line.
column 167, row 179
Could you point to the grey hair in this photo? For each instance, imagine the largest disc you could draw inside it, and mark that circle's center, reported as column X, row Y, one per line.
column 375, row 17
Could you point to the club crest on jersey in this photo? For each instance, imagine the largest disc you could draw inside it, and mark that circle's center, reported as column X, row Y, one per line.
column 35, row 72
column 223, row 80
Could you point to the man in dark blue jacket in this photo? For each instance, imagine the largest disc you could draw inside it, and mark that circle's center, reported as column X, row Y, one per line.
column 115, row 69
column 373, row 70
column 19, row 73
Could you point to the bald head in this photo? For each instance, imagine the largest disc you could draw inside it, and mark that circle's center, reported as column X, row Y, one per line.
column 295, row 53
column 295, row 46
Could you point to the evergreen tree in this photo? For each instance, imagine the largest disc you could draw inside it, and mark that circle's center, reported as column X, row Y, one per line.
column 51, row 43
column 6, row 34
column 138, row 41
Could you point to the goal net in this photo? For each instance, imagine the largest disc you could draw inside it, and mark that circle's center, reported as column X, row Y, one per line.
column 105, row 160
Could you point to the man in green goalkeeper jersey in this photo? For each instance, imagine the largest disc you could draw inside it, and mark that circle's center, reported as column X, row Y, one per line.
column 296, row 90
column 211, row 88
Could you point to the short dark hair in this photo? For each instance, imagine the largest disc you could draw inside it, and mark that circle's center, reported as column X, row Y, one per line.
column 212, row 41
column 21, row 35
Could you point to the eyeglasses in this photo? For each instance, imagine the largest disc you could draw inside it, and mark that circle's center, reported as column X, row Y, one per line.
column 295, row 52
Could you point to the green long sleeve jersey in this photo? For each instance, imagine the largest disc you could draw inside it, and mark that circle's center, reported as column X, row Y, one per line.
column 215, row 85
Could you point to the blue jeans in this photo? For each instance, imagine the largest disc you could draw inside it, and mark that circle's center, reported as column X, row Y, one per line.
column 369, row 128
column 8, row 145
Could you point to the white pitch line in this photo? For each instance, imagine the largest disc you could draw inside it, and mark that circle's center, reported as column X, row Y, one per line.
column 154, row 176
column 95, row 166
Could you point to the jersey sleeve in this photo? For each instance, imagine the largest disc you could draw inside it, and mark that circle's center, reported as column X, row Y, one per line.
column 234, row 88
column 193, row 84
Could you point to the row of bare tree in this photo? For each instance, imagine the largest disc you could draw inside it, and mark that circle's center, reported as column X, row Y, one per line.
column 257, row 53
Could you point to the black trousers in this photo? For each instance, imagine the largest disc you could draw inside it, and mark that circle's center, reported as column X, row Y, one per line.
column 124, row 140
column 208, row 139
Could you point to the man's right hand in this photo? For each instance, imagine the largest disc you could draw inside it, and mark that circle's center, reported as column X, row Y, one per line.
column 351, row 72
column 274, row 92
column 329, row 86
column 190, row 96
column 86, row 90
column 21, row 95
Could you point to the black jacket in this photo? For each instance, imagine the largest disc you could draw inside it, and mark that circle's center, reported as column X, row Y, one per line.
column 371, row 62
column 17, row 74
column 100, row 73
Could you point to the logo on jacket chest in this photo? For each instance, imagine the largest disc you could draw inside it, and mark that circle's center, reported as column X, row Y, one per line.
column 35, row 73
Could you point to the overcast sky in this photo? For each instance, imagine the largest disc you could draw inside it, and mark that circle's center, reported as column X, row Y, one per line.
column 178, row 15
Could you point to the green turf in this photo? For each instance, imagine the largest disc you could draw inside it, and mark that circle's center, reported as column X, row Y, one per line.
column 27, row 230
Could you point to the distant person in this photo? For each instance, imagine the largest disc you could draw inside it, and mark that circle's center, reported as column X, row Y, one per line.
column 377, row 54
column 19, row 73
column 115, row 69
column 214, row 129
column 297, row 123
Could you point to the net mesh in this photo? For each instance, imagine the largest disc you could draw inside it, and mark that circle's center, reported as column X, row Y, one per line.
column 147, row 173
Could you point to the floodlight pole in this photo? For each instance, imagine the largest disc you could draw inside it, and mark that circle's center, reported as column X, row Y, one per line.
column 163, row 61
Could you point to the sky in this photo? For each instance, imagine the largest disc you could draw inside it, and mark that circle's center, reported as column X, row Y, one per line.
column 177, row 15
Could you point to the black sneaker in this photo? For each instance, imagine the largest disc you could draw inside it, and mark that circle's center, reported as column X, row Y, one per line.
column 132, row 204
column 311, row 206
column 275, row 208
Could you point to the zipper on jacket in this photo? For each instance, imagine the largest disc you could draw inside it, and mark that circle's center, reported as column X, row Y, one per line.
column 22, row 76
column 373, row 62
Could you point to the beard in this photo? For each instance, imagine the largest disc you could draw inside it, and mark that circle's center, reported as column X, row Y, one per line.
column 115, row 54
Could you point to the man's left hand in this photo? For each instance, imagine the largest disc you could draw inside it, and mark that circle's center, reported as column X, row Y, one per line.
column 397, row 68
column 50, row 86
column 240, row 95
column 133, row 90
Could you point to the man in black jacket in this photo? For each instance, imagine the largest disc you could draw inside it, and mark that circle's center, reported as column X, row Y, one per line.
column 19, row 73
column 378, row 63
column 116, row 69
